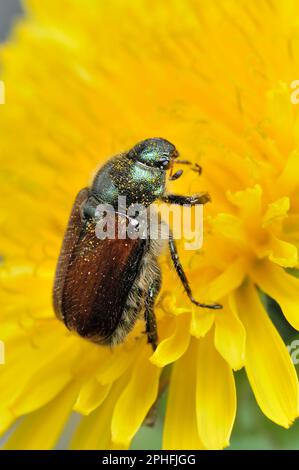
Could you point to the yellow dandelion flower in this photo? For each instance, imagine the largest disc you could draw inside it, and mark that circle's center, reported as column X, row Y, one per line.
column 84, row 82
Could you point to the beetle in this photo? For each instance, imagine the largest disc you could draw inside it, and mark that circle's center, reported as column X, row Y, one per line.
column 102, row 286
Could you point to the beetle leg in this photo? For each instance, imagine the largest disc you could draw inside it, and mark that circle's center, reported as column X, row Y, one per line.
column 176, row 176
column 200, row 198
column 197, row 168
column 180, row 271
column 149, row 313
column 194, row 167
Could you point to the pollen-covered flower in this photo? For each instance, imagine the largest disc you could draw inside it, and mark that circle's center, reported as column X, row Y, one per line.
column 85, row 81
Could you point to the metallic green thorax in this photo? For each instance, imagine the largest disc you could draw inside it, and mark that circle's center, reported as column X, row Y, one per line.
column 139, row 174
column 125, row 177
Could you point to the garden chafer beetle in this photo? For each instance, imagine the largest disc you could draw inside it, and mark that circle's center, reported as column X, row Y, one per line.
column 103, row 285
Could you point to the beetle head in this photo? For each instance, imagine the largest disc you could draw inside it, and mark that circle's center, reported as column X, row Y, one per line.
column 155, row 152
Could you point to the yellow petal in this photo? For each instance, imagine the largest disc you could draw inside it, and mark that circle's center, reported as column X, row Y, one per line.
column 230, row 337
column 276, row 211
column 280, row 286
column 41, row 429
column 114, row 363
column 94, row 430
column 6, row 419
column 231, row 227
column 47, row 381
column 288, row 181
column 201, row 322
column 91, row 395
column 268, row 365
column 280, row 108
column 180, row 427
column 291, row 227
column 283, row 253
column 229, row 280
column 215, row 396
column 28, row 358
column 248, row 201
column 136, row 399
column 171, row 348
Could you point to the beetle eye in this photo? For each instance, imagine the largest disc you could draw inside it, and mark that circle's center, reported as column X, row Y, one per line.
column 164, row 162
